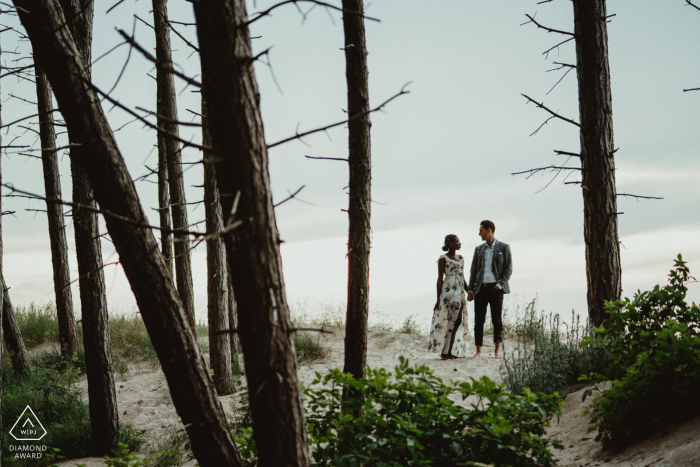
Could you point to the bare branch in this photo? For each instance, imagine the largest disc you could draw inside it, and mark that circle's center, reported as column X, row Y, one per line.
column 546, row 52
column 554, row 114
column 692, row 4
column 693, row 89
column 637, row 196
column 267, row 12
column 146, row 122
column 204, row 235
column 306, row 133
column 565, row 153
column 158, row 63
column 291, row 196
column 541, row 169
column 166, row 119
column 327, row 158
column 548, row 29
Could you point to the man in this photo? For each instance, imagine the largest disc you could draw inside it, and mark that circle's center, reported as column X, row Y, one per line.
column 492, row 266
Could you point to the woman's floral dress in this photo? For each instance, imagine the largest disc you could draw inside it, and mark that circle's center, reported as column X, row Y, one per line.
column 452, row 303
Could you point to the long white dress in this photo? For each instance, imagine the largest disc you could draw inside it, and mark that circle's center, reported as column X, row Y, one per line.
column 452, row 302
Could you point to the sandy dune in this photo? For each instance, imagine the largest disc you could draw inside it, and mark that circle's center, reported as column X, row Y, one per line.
column 144, row 402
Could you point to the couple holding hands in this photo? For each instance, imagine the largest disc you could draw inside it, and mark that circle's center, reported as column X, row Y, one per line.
column 491, row 268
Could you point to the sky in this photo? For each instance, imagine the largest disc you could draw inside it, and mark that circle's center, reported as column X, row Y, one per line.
column 442, row 156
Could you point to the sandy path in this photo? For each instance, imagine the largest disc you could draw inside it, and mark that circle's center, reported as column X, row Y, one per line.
column 144, row 401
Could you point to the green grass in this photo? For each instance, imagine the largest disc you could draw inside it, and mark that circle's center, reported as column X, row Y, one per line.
column 546, row 355
column 51, row 393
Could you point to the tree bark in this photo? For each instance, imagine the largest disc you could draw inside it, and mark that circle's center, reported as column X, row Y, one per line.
column 167, row 108
column 360, row 162
column 166, row 237
column 12, row 334
column 238, row 142
column 232, row 311
column 603, row 271
column 217, row 275
column 54, row 212
column 173, row 338
column 102, row 396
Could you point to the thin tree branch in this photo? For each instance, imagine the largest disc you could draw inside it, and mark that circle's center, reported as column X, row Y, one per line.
column 306, row 133
column 692, row 4
column 327, row 158
column 291, row 196
column 554, row 114
column 158, row 63
column 267, row 12
column 204, row 235
column 565, row 153
column 166, row 119
column 540, row 169
column 546, row 52
column 637, row 196
column 693, row 89
column 548, row 29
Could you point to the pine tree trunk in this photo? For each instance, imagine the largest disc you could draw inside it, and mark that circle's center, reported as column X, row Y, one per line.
column 12, row 334
column 93, row 297
column 2, row 289
column 173, row 338
column 360, row 163
column 166, row 237
column 603, row 271
column 232, row 102
column 217, row 275
column 232, row 312
column 54, row 212
column 167, row 108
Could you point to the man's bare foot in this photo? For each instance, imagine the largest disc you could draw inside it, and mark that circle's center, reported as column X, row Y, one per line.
column 477, row 355
column 498, row 357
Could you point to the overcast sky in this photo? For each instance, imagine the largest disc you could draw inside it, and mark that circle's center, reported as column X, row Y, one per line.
column 442, row 155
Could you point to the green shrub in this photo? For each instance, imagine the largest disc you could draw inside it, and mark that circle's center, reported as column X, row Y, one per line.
column 409, row 420
column 57, row 402
column 37, row 322
column 548, row 356
column 653, row 348
column 411, row 326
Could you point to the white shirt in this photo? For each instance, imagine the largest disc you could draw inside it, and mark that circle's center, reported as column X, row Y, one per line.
column 489, row 276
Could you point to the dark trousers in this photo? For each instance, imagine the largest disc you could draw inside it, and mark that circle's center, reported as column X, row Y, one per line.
column 488, row 295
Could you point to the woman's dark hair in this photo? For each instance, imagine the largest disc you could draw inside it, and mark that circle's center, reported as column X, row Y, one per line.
column 489, row 225
column 448, row 238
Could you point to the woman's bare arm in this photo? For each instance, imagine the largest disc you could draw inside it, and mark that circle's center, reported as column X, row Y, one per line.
column 441, row 273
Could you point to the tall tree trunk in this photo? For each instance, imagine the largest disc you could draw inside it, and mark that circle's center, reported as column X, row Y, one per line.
column 252, row 244
column 93, row 297
column 167, row 108
column 12, row 334
column 54, row 212
column 217, row 275
column 360, row 162
column 2, row 289
column 603, row 272
column 232, row 311
column 173, row 338
column 166, row 237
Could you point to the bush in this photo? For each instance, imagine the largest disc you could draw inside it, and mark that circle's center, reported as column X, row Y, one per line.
column 410, row 420
column 548, row 356
column 58, row 404
column 653, row 348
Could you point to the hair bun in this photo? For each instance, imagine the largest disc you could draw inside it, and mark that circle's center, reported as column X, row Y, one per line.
column 444, row 248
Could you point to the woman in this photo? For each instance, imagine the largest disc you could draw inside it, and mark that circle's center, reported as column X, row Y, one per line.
column 447, row 335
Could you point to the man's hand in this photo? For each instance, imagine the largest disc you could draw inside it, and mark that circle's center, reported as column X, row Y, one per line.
column 470, row 297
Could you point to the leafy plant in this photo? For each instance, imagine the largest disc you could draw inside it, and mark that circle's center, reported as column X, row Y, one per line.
column 409, row 419
column 653, row 346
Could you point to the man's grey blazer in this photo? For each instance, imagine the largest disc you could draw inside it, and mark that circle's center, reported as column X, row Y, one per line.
column 502, row 266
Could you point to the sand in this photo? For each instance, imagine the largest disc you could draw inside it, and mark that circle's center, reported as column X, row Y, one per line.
column 144, row 402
